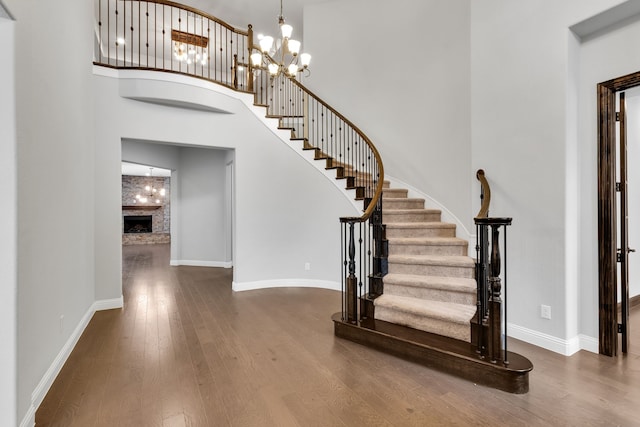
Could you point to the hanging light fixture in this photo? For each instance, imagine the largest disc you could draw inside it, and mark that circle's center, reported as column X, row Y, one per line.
column 150, row 194
column 290, row 61
column 190, row 48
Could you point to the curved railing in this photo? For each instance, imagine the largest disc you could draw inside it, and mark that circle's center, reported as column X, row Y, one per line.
column 356, row 160
column 161, row 35
column 165, row 36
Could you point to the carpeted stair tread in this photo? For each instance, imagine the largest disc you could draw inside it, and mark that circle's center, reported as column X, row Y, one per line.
column 406, row 199
column 446, row 311
column 432, row 265
column 445, row 260
column 409, row 225
column 410, row 215
column 427, row 245
column 453, row 284
column 404, row 211
column 395, row 193
column 431, row 241
column 403, row 203
column 420, row 229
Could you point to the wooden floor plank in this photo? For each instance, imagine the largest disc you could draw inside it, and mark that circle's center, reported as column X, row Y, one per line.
column 187, row 351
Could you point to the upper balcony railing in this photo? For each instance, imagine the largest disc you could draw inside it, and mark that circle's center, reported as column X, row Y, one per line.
column 166, row 36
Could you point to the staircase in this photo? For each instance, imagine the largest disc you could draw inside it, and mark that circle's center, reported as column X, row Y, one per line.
column 419, row 301
column 409, row 287
column 430, row 284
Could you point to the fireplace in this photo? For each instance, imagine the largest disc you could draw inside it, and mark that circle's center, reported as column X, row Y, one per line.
column 138, row 224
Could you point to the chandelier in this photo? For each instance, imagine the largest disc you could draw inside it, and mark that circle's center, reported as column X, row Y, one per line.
column 190, row 48
column 150, row 192
column 283, row 56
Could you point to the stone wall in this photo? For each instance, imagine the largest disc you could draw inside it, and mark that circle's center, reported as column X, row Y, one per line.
column 160, row 212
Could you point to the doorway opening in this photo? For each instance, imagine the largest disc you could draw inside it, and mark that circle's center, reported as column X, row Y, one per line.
column 613, row 248
column 199, row 198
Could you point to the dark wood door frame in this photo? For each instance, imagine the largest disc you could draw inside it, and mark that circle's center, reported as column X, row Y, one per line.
column 607, row 265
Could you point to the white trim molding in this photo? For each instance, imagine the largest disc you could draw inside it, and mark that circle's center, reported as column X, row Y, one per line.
column 108, row 304
column 555, row 344
column 196, row 263
column 50, row 375
column 285, row 283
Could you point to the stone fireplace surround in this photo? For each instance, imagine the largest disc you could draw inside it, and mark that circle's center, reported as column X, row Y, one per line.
column 160, row 213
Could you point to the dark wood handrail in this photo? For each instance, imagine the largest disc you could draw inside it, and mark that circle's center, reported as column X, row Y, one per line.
column 485, row 195
column 378, row 193
column 201, row 13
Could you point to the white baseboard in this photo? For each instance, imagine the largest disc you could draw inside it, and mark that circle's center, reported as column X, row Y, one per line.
column 555, row 344
column 50, row 375
column 29, row 419
column 108, row 304
column 285, row 283
column 195, row 263
column 589, row 343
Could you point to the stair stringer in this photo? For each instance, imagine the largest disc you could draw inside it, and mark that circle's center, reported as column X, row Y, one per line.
column 308, row 155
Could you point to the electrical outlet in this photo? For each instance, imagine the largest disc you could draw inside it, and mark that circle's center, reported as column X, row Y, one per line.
column 307, row 266
column 545, row 311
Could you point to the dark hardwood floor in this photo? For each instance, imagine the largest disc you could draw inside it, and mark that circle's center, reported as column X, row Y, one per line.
column 187, row 351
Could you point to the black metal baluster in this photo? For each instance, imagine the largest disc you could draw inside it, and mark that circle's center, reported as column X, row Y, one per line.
column 343, row 266
column 351, row 280
column 504, row 285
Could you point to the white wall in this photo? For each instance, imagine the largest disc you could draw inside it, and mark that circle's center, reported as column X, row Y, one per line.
column 202, row 206
column 55, row 183
column 198, row 234
column 8, row 225
column 401, row 73
column 524, row 134
column 280, row 201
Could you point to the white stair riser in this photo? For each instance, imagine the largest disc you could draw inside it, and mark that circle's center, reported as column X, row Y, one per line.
column 417, row 249
column 420, row 232
column 417, row 216
column 436, row 326
column 431, row 270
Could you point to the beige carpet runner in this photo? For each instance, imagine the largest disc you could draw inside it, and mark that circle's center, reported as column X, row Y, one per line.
column 430, row 285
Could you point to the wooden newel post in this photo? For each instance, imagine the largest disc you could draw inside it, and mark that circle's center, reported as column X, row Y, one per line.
column 490, row 324
column 352, row 280
column 250, row 67
column 495, row 302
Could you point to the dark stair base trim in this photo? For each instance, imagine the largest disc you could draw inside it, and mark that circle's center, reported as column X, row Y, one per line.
column 444, row 354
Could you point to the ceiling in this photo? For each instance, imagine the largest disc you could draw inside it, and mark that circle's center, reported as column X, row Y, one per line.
column 262, row 14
